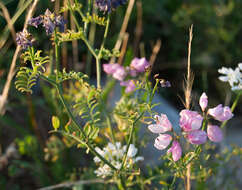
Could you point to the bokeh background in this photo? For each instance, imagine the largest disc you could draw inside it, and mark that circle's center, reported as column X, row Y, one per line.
column 217, row 42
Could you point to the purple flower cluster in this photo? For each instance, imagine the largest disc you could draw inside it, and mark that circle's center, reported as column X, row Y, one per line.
column 120, row 73
column 50, row 21
column 24, row 39
column 190, row 123
column 108, row 5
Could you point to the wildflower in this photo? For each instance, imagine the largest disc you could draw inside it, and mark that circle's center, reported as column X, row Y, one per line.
column 130, row 85
column 165, row 84
column 234, row 77
column 117, row 71
column 114, row 154
column 162, row 124
column 203, row 101
column 197, row 137
column 175, row 150
column 108, row 5
column 35, row 21
column 190, row 120
column 24, row 39
column 138, row 66
column 162, row 141
column 220, row 113
column 215, row 134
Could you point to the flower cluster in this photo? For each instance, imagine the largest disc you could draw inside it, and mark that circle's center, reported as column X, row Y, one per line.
column 114, row 153
column 190, row 124
column 24, row 39
column 121, row 73
column 234, row 77
column 163, row 140
column 108, row 5
column 50, row 21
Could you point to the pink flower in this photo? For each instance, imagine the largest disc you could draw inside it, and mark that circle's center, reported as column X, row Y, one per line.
column 117, row 71
column 138, row 66
column 130, row 85
column 203, row 101
column 221, row 113
column 110, row 68
column 197, row 137
column 215, row 134
column 162, row 141
column 162, row 124
column 175, row 150
column 120, row 73
column 190, row 120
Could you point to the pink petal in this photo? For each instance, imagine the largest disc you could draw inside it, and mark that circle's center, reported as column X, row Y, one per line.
column 162, row 141
column 215, row 134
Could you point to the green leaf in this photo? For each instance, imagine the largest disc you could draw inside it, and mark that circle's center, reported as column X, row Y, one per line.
column 55, row 122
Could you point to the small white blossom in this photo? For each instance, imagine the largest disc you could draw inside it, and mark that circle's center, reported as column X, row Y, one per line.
column 114, row 154
column 233, row 77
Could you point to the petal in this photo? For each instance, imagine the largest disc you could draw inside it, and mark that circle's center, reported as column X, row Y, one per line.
column 215, row 134
column 162, row 141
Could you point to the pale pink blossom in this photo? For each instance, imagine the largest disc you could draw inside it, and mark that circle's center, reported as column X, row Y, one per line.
column 175, row 150
column 110, row 68
column 130, row 85
column 162, row 124
column 138, row 66
column 197, row 137
column 215, row 134
column 190, row 120
column 220, row 113
column 203, row 101
column 117, row 71
column 162, row 141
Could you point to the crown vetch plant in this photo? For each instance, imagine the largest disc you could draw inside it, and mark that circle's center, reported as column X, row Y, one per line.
column 93, row 124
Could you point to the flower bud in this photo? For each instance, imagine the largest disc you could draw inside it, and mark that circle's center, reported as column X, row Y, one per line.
column 203, row 101
column 215, row 134
column 175, row 150
column 162, row 141
column 197, row 137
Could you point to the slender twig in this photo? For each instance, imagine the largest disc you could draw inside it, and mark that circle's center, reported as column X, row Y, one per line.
column 111, row 130
column 11, row 72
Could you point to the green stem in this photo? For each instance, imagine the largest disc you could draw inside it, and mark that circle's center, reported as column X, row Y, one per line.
column 73, row 15
column 153, row 92
column 98, row 70
column 232, row 108
column 172, row 184
column 111, row 130
column 56, row 55
column 129, row 140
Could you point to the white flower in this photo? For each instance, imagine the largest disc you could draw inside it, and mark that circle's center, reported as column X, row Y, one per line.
column 234, row 77
column 114, row 154
column 132, row 151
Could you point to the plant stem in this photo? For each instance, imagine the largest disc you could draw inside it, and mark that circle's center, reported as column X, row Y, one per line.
column 111, row 130
column 56, row 55
column 232, row 108
column 129, row 140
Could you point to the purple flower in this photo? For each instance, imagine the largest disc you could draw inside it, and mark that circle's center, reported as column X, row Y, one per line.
column 138, row 66
column 215, row 134
column 203, row 101
column 162, row 124
column 130, row 85
column 190, row 120
column 50, row 22
column 24, row 39
column 162, row 141
column 221, row 113
column 35, row 21
column 197, row 137
column 175, row 150
column 108, row 5
column 117, row 71
column 165, row 84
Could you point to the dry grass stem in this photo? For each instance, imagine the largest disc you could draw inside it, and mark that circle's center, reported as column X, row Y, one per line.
column 139, row 27
column 124, row 47
column 123, row 28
